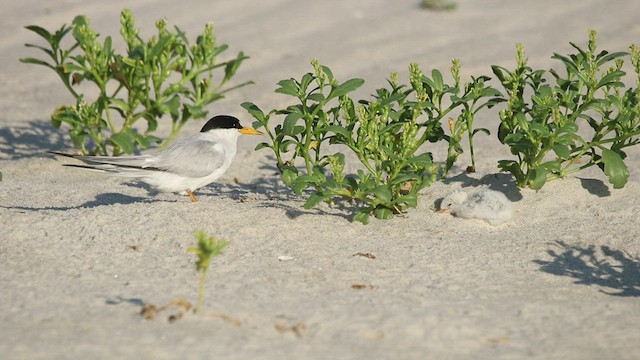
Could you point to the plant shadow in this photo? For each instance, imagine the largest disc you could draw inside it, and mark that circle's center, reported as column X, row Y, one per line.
column 608, row 268
column 30, row 140
column 504, row 183
column 268, row 191
column 595, row 187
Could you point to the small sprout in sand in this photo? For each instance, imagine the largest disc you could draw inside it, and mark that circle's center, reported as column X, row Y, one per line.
column 208, row 247
column 438, row 5
column 488, row 205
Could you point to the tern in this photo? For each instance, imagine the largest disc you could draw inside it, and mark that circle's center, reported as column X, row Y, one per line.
column 186, row 165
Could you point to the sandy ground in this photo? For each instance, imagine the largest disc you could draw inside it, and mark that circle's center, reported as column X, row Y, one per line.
column 81, row 253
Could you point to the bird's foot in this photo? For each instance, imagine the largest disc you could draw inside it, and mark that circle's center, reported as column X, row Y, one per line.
column 191, row 196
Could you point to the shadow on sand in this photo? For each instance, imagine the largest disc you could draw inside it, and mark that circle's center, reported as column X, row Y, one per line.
column 31, row 140
column 604, row 267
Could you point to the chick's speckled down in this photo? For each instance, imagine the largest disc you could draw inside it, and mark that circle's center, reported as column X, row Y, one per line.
column 488, row 205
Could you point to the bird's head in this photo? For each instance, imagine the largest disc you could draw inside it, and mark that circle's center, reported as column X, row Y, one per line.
column 453, row 198
column 228, row 122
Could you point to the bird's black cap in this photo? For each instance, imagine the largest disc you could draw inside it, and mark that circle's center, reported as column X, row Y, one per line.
column 222, row 122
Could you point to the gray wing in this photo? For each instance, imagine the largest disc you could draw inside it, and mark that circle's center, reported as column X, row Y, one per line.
column 190, row 157
column 108, row 163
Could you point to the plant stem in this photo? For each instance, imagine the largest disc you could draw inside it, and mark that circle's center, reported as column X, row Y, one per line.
column 201, row 290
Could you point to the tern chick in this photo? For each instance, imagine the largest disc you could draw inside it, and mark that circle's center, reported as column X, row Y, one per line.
column 185, row 165
column 488, row 205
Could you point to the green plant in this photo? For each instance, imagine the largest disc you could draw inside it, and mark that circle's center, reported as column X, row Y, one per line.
column 385, row 134
column 438, row 5
column 165, row 75
column 541, row 121
column 208, row 247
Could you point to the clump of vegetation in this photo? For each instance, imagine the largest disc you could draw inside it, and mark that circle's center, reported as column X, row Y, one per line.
column 386, row 134
column 208, row 247
column 165, row 75
column 541, row 120
column 390, row 133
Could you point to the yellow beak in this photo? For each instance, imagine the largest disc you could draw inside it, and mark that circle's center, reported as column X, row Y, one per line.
column 249, row 131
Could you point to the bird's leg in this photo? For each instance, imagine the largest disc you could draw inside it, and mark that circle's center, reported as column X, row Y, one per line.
column 191, row 196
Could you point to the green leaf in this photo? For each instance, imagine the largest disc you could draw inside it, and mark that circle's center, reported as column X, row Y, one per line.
column 299, row 186
column 254, row 110
column 106, row 47
column 43, row 49
column 515, row 170
column 338, row 130
column 314, row 200
column 611, row 79
column 362, row 216
column 614, row 168
column 317, row 97
column 411, row 200
column 123, row 141
column 402, row 178
column 437, row 79
column 328, row 72
column 305, row 81
column 383, row 193
column 119, row 103
column 284, row 145
column 145, row 141
column 288, row 87
column 499, row 72
column 261, row 146
column 609, row 57
column 503, row 132
column 423, row 160
column 571, row 67
column 289, row 175
column 233, row 65
column 29, row 60
column 489, row 91
column 522, row 121
column 290, row 122
column 40, row 31
column 66, row 114
column 392, row 98
column 345, row 88
column 78, row 138
column 193, row 111
column 562, row 150
column 537, row 177
column 383, row 213
column 173, row 107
